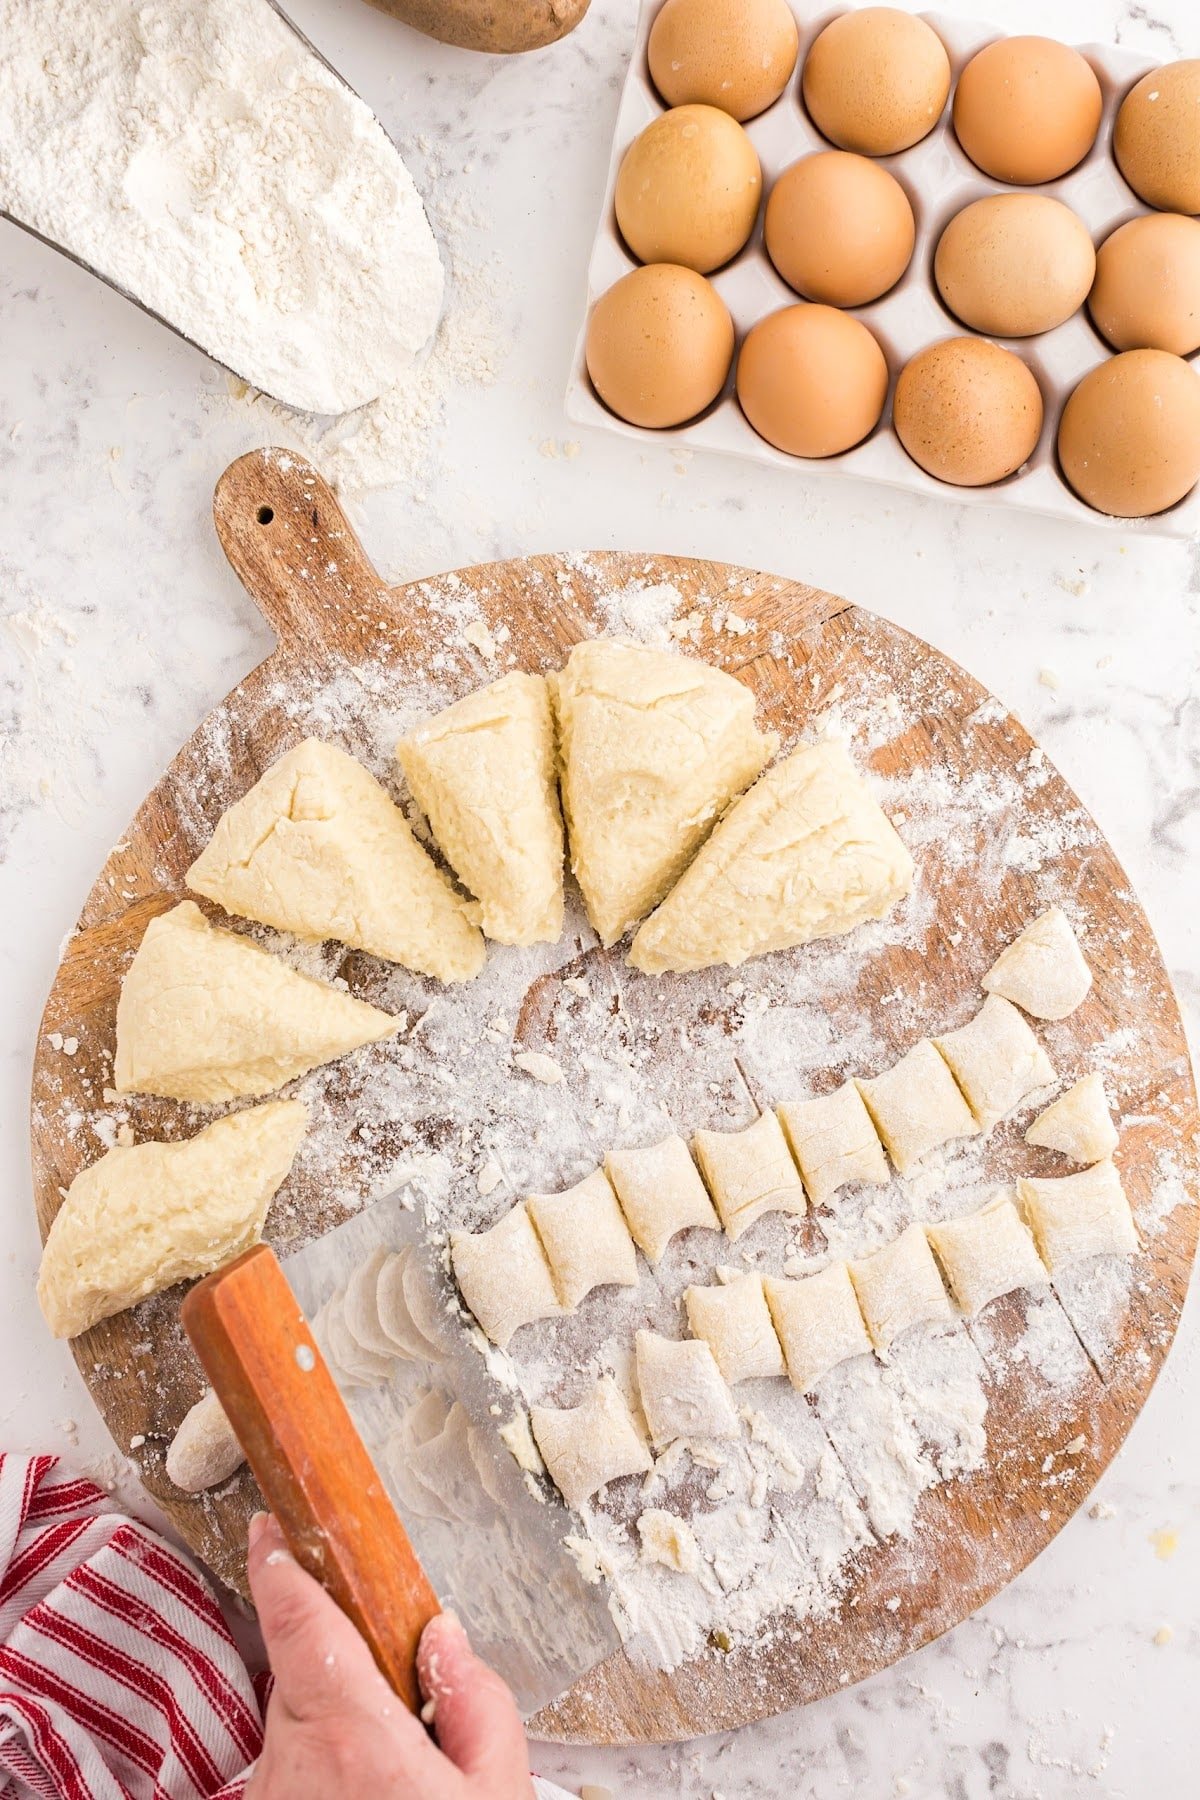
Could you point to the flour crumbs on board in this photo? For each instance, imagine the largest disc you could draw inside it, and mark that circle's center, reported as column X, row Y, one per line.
column 519, row 1082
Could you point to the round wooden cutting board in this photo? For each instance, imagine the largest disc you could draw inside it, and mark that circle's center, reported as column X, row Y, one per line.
column 289, row 542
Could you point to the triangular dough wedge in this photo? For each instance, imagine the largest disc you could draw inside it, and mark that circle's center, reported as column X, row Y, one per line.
column 317, row 847
column 484, row 773
column 147, row 1216
column 654, row 747
column 807, row 853
column 206, row 1015
column 1043, row 971
column 1078, row 1123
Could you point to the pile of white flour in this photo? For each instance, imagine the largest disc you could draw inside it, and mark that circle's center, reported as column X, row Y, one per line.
column 198, row 155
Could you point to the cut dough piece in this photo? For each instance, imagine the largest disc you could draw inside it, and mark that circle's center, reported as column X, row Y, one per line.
column 1079, row 1215
column 996, row 1060
column 683, row 1392
column 586, row 1446
column 147, row 1216
column 204, row 1452
column 819, row 1322
column 661, row 1193
column 654, row 747
column 807, row 853
column 207, row 1015
column 317, row 847
column 1078, row 1123
column 735, row 1323
column 900, row 1286
column 504, row 1275
column 484, row 772
column 987, row 1254
column 1043, row 971
column 585, row 1237
column 834, row 1141
column 749, row 1173
column 917, row 1106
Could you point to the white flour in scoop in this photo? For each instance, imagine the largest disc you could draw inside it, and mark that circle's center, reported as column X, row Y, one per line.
column 197, row 154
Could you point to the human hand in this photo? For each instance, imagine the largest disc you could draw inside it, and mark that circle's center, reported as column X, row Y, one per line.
column 334, row 1726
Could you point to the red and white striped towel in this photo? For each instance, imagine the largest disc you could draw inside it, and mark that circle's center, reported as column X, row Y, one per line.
column 118, row 1677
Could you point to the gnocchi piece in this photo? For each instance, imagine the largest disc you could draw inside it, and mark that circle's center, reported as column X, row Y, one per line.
column 987, row 1254
column 735, row 1322
column 661, row 1193
column 683, row 1391
column 586, row 1446
column 996, row 1060
column 204, row 1452
column 819, row 1322
column 834, row 1142
column 749, row 1173
column 504, row 1275
column 1078, row 1123
column 585, row 1237
column 1043, row 971
column 899, row 1286
column 1073, row 1216
column 917, row 1106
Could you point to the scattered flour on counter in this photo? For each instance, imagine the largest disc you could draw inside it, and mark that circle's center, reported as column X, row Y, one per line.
column 198, row 155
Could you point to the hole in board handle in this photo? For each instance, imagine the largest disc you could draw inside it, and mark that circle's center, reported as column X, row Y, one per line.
column 265, row 514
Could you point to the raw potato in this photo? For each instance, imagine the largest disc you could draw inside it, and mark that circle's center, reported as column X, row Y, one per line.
column 207, row 1015
column 586, row 1446
column 683, row 1391
column 661, row 1193
column 1043, row 970
column 819, row 1321
column 585, row 1237
column 316, row 847
column 654, row 747
column 749, row 1173
column 484, row 773
column 917, row 1106
column 504, row 26
column 504, row 1275
column 807, row 853
column 987, row 1254
column 204, row 1452
column 733, row 1319
column 1078, row 1123
column 147, row 1216
column 996, row 1060
column 833, row 1140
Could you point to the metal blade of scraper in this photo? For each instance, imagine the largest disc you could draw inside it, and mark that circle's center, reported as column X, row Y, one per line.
column 489, row 1535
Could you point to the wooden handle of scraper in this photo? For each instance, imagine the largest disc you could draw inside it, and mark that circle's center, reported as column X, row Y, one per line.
column 308, row 1459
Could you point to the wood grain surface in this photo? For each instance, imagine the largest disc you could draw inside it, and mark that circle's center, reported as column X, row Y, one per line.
column 288, row 540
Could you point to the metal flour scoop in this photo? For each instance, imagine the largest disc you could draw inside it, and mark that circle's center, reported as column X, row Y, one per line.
column 298, row 386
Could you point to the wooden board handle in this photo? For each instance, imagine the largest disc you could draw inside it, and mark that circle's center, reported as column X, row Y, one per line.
column 297, row 555
column 308, row 1459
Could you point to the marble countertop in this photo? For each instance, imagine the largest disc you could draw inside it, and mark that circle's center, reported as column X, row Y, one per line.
column 121, row 624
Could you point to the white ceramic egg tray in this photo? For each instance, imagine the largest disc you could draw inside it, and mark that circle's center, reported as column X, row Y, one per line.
column 939, row 180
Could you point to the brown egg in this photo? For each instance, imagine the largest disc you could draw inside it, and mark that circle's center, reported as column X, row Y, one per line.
column 688, row 189
column 735, row 54
column 1156, row 139
column 1027, row 109
column 876, row 80
column 812, row 380
column 659, row 345
column 1014, row 264
column 839, row 228
column 1129, row 437
column 967, row 411
column 1146, row 294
